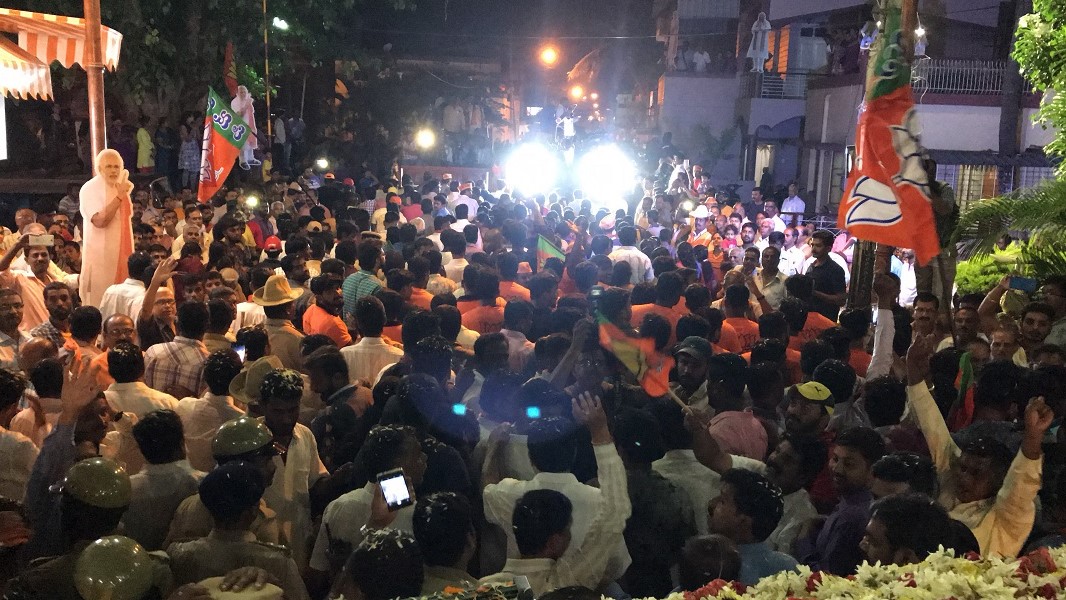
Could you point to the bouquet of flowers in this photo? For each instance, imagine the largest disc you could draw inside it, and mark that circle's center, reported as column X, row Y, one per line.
column 942, row 576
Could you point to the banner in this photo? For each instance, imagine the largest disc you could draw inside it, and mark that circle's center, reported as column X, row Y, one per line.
column 225, row 133
column 886, row 198
column 546, row 250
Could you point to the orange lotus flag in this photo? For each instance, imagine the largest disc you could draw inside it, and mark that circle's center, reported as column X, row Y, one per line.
column 886, row 198
column 229, row 70
column 639, row 355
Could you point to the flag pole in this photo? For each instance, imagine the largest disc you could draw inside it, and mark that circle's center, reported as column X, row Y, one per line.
column 871, row 257
column 94, row 71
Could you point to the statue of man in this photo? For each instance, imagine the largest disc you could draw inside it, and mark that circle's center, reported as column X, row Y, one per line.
column 107, row 240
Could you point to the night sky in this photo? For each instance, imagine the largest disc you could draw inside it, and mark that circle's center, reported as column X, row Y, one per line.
column 481, row 27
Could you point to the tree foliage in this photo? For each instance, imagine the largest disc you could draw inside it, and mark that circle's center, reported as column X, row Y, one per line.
column 1040, row 49
column 173, row 49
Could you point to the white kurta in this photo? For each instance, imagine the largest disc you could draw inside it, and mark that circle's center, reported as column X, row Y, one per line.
column 103, row 252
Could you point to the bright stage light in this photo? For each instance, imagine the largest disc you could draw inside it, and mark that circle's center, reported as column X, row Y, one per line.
column 425, row 139
column 549, row 55
column 532, row 169
column 322, row 164
column 281, row 24
column 251, row 201
column 577, row 92
column 606, row 174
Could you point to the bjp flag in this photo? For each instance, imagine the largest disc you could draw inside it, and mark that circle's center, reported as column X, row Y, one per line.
column 225, row 133
column 887, row 196
column 651, row 367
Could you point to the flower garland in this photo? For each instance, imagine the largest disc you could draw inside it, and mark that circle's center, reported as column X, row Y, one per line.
column 941, row 576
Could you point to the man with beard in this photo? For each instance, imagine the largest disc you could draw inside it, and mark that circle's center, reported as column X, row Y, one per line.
column 967, row 326
column 230, row 232
column 830, row 280
column 747, row 236
column 60, row 303
column 692, row 355
column 324, row 315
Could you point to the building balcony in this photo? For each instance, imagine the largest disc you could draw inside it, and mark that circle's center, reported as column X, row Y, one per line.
column 958, row 76
column 777, row 86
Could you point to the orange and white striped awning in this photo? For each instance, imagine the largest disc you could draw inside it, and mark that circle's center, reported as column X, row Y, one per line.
column 22, row 75
column 58, row 38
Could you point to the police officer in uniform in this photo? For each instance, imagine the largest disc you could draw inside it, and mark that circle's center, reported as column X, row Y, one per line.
column 244, row 439
column 231, row 494
column 95, row 494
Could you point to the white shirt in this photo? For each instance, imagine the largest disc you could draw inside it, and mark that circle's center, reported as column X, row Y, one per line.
column 123, row 299
column 17, row 455
column 249, row 314
column 701, row 484
column 138, row 399
column 596, row 531
column 700, row 60
column 470, row 204
column 156, row 492
column 367, row 357
column 201, row 417
column 638, row 262
column 908, row 284
column 792, row 261
column 500, row 499
column 378, row 220
column 454, row 269
column 779, row 223
column 798, row 509
column 519, row 350
column 794, row 204
column 773, row 289
column 345, row 517
column 289, row 493
column 435, row 238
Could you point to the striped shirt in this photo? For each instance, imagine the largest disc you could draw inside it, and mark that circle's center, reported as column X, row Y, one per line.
column 357, row 285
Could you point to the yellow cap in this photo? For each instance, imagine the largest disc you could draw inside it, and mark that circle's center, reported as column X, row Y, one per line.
column 99, row 482
column 812, row 391
column 241, row 436
column 113, row 568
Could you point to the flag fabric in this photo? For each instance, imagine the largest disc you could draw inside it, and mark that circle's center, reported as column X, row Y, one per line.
column 651, row 367
column 546, row 250
column 886, row 198
column 229, row 70
column 225, row 133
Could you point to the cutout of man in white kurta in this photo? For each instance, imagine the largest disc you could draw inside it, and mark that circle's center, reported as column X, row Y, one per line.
column 107, row 240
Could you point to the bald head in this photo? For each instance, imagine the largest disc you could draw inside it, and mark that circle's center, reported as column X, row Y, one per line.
column 24, row 217
column 34, row 351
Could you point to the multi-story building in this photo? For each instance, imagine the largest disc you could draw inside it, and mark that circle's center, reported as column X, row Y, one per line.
column 798, row 117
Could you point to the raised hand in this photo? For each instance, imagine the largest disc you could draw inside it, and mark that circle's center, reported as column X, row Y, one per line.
column 1038, row 416
column 79, row 389
column 588, row 410
column 921, row 350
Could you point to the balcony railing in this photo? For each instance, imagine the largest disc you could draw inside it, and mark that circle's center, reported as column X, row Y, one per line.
column 778, row 86
column 944, row 76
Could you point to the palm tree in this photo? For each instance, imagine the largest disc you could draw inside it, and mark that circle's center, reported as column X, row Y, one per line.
column 1040, row 210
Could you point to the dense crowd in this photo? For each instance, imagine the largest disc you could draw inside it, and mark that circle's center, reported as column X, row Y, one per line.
column 231, row 405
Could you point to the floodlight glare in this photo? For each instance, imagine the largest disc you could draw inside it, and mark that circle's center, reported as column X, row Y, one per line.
column 425, row 139
column 607, row 174
column 251, row 201
column 322, row 164
column 532, row 169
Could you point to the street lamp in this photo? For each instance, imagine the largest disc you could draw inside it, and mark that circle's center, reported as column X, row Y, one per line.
column 281, row 24
column 577, row 92
column 425, row 139
column 549, row 56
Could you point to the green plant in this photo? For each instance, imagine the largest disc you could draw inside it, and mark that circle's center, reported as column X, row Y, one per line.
column 1039, row 210
column 1040, row 49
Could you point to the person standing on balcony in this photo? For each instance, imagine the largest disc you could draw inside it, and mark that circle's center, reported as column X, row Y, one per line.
column 700, row 59
column 759, row 48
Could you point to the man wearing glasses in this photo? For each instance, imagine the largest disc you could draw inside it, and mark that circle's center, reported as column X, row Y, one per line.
column 1053, row 293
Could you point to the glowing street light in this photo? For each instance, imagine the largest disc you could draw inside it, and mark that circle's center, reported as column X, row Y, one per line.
column 549, row 56
column 577, row 92
column 425, row 139
column 322, row 164
column 281, row 24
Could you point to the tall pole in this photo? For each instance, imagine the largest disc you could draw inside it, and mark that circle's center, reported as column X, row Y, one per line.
column 94, row 71
column 266, row 70
column 870, row 257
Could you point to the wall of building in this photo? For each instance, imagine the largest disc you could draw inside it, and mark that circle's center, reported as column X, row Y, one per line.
column 788, row 9
column 691, row 100
column 832, row 114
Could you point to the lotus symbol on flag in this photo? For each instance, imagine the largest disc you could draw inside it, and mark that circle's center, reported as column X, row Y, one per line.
column 872, row 203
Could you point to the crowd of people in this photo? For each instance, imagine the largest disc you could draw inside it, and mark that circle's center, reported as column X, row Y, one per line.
column 230, row 405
